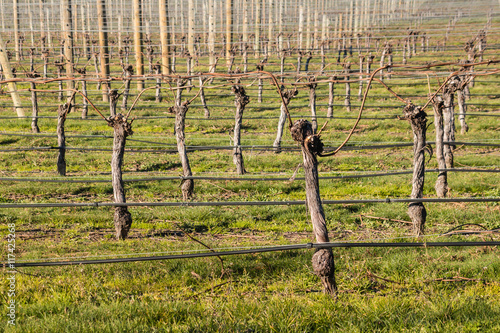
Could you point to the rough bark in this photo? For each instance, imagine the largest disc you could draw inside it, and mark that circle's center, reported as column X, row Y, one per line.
column 180, row 109
column 260, row 67
column 85, row 103
column 128, row 71
column 241, row 100
column 60, row 93
column 62, row 112
column 282, row 65
column 287, row 97
column 449, row 119
column 306, row 66
column 462, row 107
column 347, row 101
column 158, row 72
column 299, row 61
column 245, row 58
column 113, row 99
column 202, row 98
column 138, row 45
column 417, row 212
column 323, row 261
column 34, row 113
column 331, row 96
column 121, row 129
column 312, row 101
column 360, row 90
column 442, row 179
column 471, row 56
column 382, row 60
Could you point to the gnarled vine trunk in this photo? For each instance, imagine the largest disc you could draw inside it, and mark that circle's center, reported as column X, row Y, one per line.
column 34, row 112
column 442, row 179
column 347, row 101
column 202, row 98
column 416, row 210
column 62, row 111
column 331, row 95
column 287, row 97
column 323, row 261
column 240, row 101
column 312, row 85
column 121, row 129
column 180, row 109
column 449, row 120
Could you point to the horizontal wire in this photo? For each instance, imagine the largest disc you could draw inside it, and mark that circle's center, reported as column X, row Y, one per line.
column 240, row 203
column 132, row 180
column 244, row 147
column 255, row 250
column 255, row 246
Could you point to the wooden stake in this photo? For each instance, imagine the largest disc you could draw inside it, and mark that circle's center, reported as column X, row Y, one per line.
column 139, row 63
column 17, row 47
column 347, row 101
column 103, row 47
column 229, row 30
column 258, row 20
column 164, row 36
column 7, row 72
column 190, row 39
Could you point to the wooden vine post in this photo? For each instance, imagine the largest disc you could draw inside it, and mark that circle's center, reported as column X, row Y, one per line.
column 240, row 101
column 139, row 63
column 416, row 210
column 323, row 261
column 164, row 36
column 287, row 97
column 308, row 60
column 68, row 43
column 121, row 129
column 103, row 48
column 442, row 179
column 180, row 109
